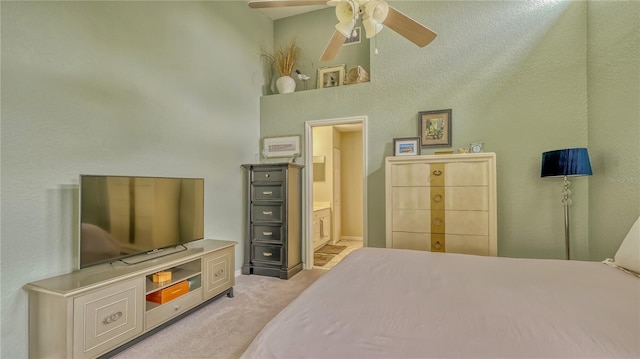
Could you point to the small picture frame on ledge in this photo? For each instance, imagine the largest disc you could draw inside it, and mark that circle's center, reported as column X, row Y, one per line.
column 435, row 128
column 281, row 146
column 407, row 146
column 331, row 76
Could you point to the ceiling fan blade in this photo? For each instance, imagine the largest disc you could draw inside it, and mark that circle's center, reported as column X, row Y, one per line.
column 409, row 28
column 334, row 45
column 265, row 4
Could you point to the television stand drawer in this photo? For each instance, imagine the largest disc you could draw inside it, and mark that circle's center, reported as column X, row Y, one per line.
column 164, row 312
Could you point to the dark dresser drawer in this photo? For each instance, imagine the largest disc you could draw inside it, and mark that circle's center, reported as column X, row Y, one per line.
column 267, row 175
column 272, row 212
column 267, row 233
column 267, row 254
column 266, row 193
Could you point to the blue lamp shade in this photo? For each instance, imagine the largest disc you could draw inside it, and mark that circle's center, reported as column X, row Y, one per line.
column 566, row 162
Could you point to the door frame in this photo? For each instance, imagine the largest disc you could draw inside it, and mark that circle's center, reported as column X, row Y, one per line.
column 308, row 184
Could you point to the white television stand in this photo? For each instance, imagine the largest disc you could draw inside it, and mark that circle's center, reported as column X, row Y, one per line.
column 94, row 310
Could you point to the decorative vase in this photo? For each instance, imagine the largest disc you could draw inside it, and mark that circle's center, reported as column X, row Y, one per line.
column 286, row 84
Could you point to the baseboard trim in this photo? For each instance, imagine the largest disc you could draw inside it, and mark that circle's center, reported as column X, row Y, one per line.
column 352, row 238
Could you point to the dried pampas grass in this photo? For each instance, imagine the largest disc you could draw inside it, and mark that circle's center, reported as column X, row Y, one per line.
column 284, row 58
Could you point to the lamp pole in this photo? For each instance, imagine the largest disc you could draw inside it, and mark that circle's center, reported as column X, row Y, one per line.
column 566, row 201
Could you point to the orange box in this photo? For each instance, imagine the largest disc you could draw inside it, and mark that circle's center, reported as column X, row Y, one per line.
column 164, row 295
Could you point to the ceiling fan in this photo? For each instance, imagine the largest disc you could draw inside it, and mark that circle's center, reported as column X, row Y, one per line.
column 375, row 14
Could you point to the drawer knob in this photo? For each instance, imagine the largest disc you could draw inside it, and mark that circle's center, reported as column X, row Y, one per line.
column 437, row 198
column 437, row 172
column 267, row 254
column 267, row 233
column 437, row 245
column 267, row 175
column 219, row 272
column 267, row 193
column 112, row 318
column 437, row 221
column 177, row 308
column 267, row 213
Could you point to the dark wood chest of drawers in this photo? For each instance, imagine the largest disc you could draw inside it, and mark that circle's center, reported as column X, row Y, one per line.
column 273, row 236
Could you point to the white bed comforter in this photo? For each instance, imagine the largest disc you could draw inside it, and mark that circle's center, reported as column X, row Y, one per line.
column 388, row 303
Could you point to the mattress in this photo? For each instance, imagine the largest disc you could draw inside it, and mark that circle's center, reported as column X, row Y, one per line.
column 392, row 303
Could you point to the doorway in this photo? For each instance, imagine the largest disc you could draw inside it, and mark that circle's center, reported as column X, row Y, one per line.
column 335, row 190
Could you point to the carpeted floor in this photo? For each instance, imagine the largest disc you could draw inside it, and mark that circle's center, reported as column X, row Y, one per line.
column 224, row 328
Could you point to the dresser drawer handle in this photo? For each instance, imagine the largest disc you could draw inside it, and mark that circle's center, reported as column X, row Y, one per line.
column 437, row 221
column 437, row 172
column 267, row 254
column 112, row 318
column 437, row 245
column 267, row 233
column 267, row 175
column 219, row 272
column 269, row 193
column 437, row 198
column 177, row 308
column 267, row 213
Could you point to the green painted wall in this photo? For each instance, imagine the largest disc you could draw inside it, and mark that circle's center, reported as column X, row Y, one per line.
column 312, row 32
column 132, row 88
column 514, row 74
column 614, row 123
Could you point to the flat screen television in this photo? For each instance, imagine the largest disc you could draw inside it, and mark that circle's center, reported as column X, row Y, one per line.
column 124, row 216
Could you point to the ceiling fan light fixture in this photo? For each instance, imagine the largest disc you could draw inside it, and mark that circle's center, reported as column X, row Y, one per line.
column 371, row 28
column 378, row 10
column 346, row 29
column 346, row 11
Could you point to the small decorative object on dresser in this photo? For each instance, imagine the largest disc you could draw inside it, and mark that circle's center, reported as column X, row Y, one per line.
column 435, row 128
column 407, row 146
column 476, row 147
column 273, row 236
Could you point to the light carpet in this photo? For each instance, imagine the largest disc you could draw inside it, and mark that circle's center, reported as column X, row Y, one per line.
column 224, row 328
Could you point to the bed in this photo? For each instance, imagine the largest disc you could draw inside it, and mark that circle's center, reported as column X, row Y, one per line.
column 394, row 303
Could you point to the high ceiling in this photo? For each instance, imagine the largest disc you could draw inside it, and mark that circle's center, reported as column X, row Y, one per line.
column 280, row 12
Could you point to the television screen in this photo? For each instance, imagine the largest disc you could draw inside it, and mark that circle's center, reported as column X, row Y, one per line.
column 122, row 216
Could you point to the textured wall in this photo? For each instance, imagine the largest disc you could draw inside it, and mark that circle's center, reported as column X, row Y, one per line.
column 614, row 123
column 134, row 88
column 514, row 74
column 312, row 32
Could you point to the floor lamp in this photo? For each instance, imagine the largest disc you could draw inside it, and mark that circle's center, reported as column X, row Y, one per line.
column 564, row 163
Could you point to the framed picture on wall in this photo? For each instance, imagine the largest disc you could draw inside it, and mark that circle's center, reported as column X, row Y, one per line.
column 408, row 146
column 435, row 128
column 283, row 146
column 331, row 76
column 355, row 37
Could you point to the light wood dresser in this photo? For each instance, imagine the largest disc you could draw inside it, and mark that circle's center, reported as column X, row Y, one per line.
column 442, row 203
column 92, row 311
